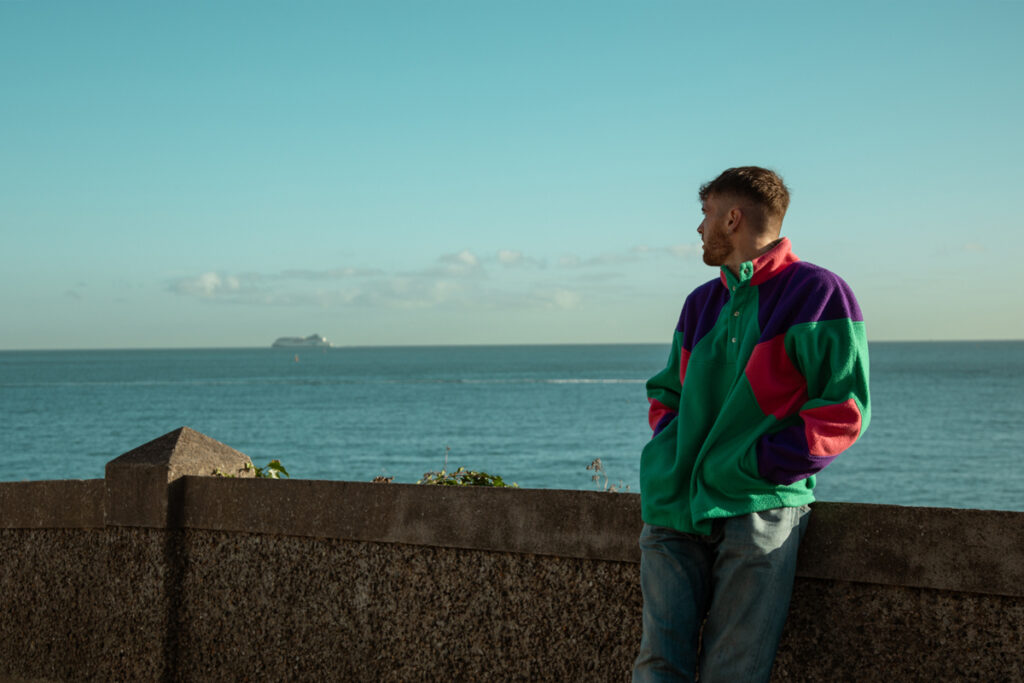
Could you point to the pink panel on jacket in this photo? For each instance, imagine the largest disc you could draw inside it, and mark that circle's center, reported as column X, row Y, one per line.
column 656, row 412
column 778, row 386
column 831, row 429
column 774, row 262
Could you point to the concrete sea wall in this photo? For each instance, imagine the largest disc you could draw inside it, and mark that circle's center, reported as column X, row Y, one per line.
column 162, row 572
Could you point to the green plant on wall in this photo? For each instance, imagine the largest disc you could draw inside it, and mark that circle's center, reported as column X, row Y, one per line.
column 462, row 477
column 273, row 470
column 599, row 471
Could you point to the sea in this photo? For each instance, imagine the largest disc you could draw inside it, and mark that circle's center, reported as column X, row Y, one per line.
column 947, row 427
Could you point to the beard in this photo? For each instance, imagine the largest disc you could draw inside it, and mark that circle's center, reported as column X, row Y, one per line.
column 717, row 248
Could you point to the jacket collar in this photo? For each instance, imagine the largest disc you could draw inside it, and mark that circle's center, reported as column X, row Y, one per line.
column 763, row 268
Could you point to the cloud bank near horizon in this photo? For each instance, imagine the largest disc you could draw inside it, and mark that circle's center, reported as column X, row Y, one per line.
column 505, row 278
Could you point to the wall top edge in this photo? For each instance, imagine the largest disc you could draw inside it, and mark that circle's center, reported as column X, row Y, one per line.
column 52, row 504
column 980, row 551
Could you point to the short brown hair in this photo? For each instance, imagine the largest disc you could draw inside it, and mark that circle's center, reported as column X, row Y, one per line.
column 761, row 186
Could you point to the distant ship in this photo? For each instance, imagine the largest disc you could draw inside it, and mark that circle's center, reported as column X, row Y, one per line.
column 292, row 342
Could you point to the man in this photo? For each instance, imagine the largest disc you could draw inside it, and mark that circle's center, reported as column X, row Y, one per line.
column 766, row 383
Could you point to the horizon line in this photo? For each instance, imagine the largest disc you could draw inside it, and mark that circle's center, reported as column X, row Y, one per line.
column 447, row 345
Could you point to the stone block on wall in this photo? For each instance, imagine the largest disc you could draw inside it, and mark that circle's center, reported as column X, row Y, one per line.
column 140, row 485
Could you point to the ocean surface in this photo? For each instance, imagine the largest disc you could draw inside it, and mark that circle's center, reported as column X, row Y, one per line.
column 947, row 428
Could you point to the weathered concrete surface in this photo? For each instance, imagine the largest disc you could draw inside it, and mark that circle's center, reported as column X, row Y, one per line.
column 584, row 524
column 141, row 485
column 248, row 579
column 842, row 631
column 961, row 550
column 394, row 612
column 306, row 609
column 83, row 604
column 67, row 504
column 263, row 607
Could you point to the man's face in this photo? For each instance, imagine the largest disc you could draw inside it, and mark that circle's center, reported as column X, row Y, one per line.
column 717, row 245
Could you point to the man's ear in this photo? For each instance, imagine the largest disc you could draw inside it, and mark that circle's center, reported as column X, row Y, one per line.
column 733, row 218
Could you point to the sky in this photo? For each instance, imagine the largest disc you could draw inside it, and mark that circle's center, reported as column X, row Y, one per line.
column 219, row 174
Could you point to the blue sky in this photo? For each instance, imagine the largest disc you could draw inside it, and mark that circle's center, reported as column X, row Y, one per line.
column 199, row 174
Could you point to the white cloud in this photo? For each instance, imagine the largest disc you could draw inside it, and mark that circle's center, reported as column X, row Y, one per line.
column 460, row 264
column 206, row 285
column 509, row 257
column 462, row 259
column 513, row 258
column 564, row 298
column 634, row 254
column 332, row 274
column 266, row 288
column 409, row 292
column 459, row 279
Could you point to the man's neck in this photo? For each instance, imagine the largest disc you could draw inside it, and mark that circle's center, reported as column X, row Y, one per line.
column 748, row 252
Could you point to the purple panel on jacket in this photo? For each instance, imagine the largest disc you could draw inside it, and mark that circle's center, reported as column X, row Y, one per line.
column 701, row 311
column 783, row 457
column 803, row 293
column 663, row 422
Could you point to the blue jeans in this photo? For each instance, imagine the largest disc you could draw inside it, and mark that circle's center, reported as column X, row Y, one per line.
column 739, row 578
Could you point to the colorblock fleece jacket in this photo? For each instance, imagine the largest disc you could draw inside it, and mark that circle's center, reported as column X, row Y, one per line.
column 766, row 383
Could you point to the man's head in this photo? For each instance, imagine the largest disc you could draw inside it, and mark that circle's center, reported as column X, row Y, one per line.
column 762, row 190
column 743, row 211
